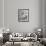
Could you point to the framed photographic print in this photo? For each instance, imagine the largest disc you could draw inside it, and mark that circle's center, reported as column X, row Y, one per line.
column 23, row 15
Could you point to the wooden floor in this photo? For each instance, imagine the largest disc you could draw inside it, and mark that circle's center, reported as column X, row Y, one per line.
column 23, row 44
column 18, row 45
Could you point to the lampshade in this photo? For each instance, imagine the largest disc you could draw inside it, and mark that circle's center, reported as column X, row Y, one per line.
column 8, row 29
column 1, row 35
column 39, row 29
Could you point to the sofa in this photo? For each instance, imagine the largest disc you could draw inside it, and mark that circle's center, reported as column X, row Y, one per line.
column 1, row 39
column 43, row 41
column 23, row 37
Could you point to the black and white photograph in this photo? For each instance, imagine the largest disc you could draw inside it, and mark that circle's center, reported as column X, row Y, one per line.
column 22, row 22
column 23, row 15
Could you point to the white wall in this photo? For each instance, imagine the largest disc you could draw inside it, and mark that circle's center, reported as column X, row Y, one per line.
column 1, row 14
column 44, row 18
column 35, row 14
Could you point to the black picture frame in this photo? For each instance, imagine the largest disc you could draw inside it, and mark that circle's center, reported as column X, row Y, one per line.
column 23, row 15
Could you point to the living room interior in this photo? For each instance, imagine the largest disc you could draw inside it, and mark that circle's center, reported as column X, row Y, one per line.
column 22, row 22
